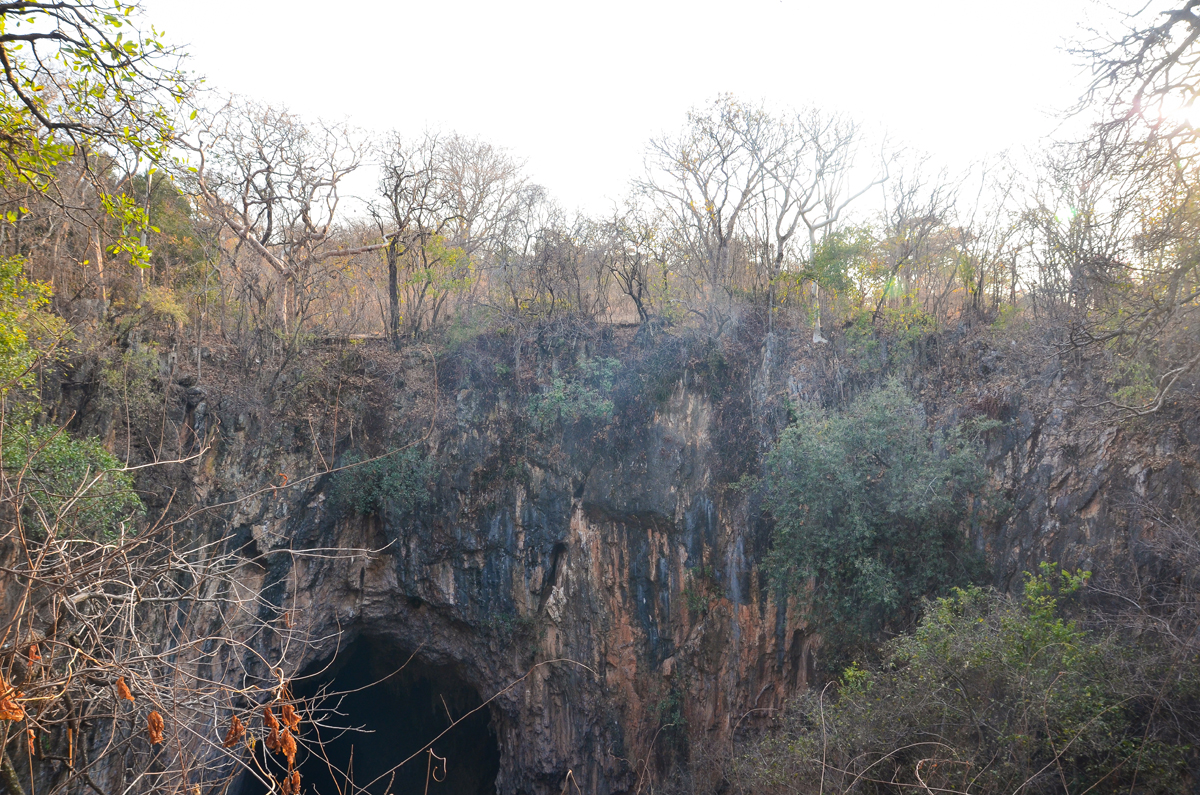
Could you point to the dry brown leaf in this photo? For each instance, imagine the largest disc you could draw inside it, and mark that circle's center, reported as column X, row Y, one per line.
column 295, row 780
column 154, row 727
column 269, row 719
column 29, row 739
column 9, row 708
column 272, row 741
column 123, row 690
column 236, row 731
column 287, row 747
column 290, row 717
column 34, row 654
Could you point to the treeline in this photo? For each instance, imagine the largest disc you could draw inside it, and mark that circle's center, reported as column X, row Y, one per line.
column 247, row 236
column 799, row 215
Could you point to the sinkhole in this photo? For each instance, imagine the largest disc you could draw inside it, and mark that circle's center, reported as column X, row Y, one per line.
column 379, row 707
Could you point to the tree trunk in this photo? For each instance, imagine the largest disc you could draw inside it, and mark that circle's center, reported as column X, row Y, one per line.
column 98, row 251
column 8, row 776
column 393, row 295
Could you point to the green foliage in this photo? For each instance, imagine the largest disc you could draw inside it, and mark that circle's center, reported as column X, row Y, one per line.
column 59, row 484
column 901, row 327
column 862, row 341
column 581, row 395
column 870, row 512
column 990, row 694
column 700, row 590
column 464, row 328
column 835, row 258
column 82, row 77
column 154, row 303
column 1133, row 381
column 173, row 235
column 68, row 485
column 700, row 361
column 26, row 331
column 133, row 222
column 1008, row 317
column 398, row 482
column 670, row 709
column 838, row 254
column 127, row 383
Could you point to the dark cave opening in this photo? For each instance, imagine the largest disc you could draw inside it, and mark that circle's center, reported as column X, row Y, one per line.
column 393, row 710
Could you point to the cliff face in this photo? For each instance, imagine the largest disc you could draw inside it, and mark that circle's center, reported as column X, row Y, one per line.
column 609, row 606
column 599, row 580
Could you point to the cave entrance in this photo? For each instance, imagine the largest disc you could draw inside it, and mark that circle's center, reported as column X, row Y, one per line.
column 398, row 712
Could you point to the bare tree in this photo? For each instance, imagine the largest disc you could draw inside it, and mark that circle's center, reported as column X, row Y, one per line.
column 1146, row 77
column 444, row 200
column 273, row 182
column 705, row 182
column 917, row 210
column 634, row 254
column 809, row 185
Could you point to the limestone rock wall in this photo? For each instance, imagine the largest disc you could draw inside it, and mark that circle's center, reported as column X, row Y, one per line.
column 608, row 596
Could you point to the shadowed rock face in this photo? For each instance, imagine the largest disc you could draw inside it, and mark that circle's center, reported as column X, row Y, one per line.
column 601, row 608
column 383, row 706
column 607, row 601
column 395, row 706
column 606, row 597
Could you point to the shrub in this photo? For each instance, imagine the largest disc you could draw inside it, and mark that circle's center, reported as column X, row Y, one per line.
column 990, row 694
column 66, row 483
column 870, row 513
column 27, row 331
column 583, row 395
column 397, row 482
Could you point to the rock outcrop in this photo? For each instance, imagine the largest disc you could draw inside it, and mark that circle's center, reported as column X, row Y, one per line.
column 598, row 581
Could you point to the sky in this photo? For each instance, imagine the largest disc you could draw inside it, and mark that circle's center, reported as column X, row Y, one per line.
column 576, row 90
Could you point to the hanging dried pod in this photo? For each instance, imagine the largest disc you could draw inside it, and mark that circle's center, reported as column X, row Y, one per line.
column 123, row 690
column 9, row 708
column 236, row 731
column 154, row 727
column 290, row 717
column 272, row 723
column 287, row 747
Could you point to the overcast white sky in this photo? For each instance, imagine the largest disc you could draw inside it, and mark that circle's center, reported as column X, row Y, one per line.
column 577, row 89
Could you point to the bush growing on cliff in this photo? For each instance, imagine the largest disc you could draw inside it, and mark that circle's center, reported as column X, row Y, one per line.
column 73, row 485
column 582, row 395
column 58, row 484
column 870, row 513
column 990, row 694
column 399, row 481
